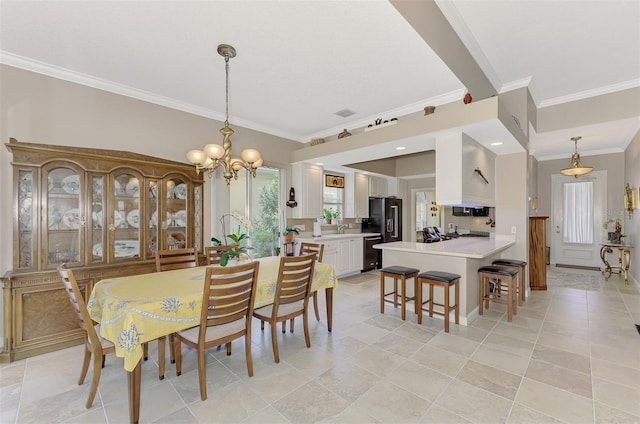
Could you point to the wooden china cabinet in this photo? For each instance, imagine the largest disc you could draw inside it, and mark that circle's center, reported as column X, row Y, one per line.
column 104, row 213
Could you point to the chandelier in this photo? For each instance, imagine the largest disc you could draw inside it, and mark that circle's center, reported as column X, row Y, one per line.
column 215, row 155
column 576, row 168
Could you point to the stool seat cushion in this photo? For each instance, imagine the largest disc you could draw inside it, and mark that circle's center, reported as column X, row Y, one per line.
column 498, row 271
column 400, row 270
column 445, row 277
column 511, row 262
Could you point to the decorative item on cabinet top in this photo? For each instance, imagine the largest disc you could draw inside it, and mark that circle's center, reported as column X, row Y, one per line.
column 315, row 141
column 428, row 110
column 344, row 134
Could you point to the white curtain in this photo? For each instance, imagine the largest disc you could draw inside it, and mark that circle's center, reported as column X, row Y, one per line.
column 578, row 212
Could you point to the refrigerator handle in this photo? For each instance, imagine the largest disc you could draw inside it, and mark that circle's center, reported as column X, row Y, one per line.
column 394, row 223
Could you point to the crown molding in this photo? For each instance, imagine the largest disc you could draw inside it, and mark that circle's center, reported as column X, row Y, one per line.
column 608, row 89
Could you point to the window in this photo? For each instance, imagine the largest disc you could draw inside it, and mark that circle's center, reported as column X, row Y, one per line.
column 578, row 212
column 332, row 198
column 259, row 199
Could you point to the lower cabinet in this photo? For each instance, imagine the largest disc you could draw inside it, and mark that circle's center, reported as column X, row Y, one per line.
column 345, row 254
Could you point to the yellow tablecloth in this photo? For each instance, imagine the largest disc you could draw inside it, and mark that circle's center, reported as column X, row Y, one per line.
column 137, row 309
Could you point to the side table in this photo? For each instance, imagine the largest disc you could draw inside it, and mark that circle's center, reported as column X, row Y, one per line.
column 623, row 250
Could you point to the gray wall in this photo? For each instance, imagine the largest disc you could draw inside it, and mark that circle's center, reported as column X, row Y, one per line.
column 631, row 227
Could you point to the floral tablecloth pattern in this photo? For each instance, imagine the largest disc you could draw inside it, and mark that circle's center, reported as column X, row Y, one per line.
column 137, row 309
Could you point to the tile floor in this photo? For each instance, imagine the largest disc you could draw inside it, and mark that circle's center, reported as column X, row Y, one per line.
column 571, row 355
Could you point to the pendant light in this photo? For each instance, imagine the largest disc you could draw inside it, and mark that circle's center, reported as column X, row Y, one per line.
column 576, row 167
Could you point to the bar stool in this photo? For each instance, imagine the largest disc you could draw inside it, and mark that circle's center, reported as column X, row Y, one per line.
column 508, row 276
column 521, row 266
column 444, row 280
column 398, row 273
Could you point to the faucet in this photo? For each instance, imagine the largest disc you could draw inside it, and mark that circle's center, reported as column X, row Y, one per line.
column 341, row 228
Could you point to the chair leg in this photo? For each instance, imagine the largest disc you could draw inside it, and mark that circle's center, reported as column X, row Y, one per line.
column 284, row 327
column 229, row 349
column 305, row 324
column 95, row 380
column 145, row 351
column 291, row 325
column 315, row 305
column 177, row 348
column 85, row 364
column 202, row 369
column 274, row 342
column 172, row 356
column 262, row 325
column 247, row 350
column 162, row 342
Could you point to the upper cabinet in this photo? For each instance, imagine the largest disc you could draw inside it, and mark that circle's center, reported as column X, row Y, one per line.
column 356, row 203
column 465, row 172
column 378, row 186
column 307, row 180
column 89, row 207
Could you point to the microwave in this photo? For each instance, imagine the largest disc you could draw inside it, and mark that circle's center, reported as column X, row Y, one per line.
column 462, row 211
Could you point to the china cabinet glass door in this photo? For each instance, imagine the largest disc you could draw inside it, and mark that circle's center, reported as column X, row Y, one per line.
column 97, row 196
column 26, row 225
column 65, row 220
column 152, row 218
column 176, row 213
column 125, row 227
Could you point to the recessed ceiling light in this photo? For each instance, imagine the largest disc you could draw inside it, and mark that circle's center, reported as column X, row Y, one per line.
column 319, row 164
column 400, row 148
column 497, row 143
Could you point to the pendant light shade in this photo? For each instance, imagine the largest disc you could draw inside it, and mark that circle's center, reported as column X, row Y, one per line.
column 576, row 167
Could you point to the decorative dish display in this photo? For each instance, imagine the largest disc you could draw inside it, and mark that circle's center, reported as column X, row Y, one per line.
column 180, row 191
column 180, row 219
column 97, row 219
column 153, row 190
column 117, row 188
column 71, row 218
column 118, row 218
column 133, row 188
column 133, row 218
column 55, row 217
column 126, row 248
column 71, row 184
column 97, row 249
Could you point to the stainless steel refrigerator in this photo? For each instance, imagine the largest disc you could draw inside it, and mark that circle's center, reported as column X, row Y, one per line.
column 385, row 217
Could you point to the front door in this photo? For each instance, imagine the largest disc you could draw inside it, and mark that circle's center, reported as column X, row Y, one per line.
column 578, row 213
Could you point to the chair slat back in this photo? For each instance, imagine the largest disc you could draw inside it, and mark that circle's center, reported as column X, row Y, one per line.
column 77, row 303
column 294, row 279
column 312, row 248
column 229, row 293
column 213, row 253
column 169, row 259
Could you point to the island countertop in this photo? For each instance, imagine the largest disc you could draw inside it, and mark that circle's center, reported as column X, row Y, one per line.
column 463, row 247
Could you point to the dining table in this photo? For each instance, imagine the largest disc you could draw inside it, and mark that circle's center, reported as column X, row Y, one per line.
column 136, row 309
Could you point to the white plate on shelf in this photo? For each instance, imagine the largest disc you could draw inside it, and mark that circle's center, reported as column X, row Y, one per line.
column 71, row 184
column 126, row 248
column 117, row 188
column 154, row 219
column 133, row 188
column 180, row 219
column 97, row 249
column 181, row 191
column 71, row 218
column 133, row 218
column 118, row 218
column 55, row 217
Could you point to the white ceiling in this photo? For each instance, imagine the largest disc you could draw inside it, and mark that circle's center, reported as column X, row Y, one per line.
column 301, row 61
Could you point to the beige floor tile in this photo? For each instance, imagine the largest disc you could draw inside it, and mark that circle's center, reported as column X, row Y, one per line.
column 566, row 329
column 181, row 416
column 47, row 409
column 517, row 332
column 509, row 344
column 421, row 381
column 501, row 359
column 438, row 415
column 468, row 332
column 622, row 357
column 454, row 344
column 620, row 397
column 188, row 384
column 440, row 360
column 523, row 321
column 9, row 402
column 97, row 416
column 377, row 361
column 345, row 347
column 288, row 379
column 608, row 414
column 562, row 358
column 491, row 379
column 367, row 333
column 385, row 321
column 347, row 380
column 520, row 414
column 611, row 371
column 155, row 402
column 399, row 345
column 417, row 332
column 389, row 403
column 12, row 373
column 474, row 404
column 483, row 323
column 301, row 405
column 573, row 344
column 233, row 403
column 354, row 415
column 555, row 402
column 563, row 378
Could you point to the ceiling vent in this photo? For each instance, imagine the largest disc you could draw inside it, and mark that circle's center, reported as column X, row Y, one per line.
column 345, row 112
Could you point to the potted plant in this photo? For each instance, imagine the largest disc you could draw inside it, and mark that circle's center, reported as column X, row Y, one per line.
column 288, row 233
column 327, row 215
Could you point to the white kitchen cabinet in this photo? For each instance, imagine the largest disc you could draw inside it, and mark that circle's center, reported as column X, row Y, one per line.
column 330, row 255
column 356, row 202
column 378, row 186
column 349, row 256
column 307, row 182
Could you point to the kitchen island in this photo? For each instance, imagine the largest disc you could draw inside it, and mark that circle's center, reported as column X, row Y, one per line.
column 462, row 256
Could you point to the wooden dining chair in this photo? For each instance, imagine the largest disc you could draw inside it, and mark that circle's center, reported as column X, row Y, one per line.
column 227, row 308
column 213, row 253
column 291, row 297
column 94, row 345
column 167, row 260
column 318, row 249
